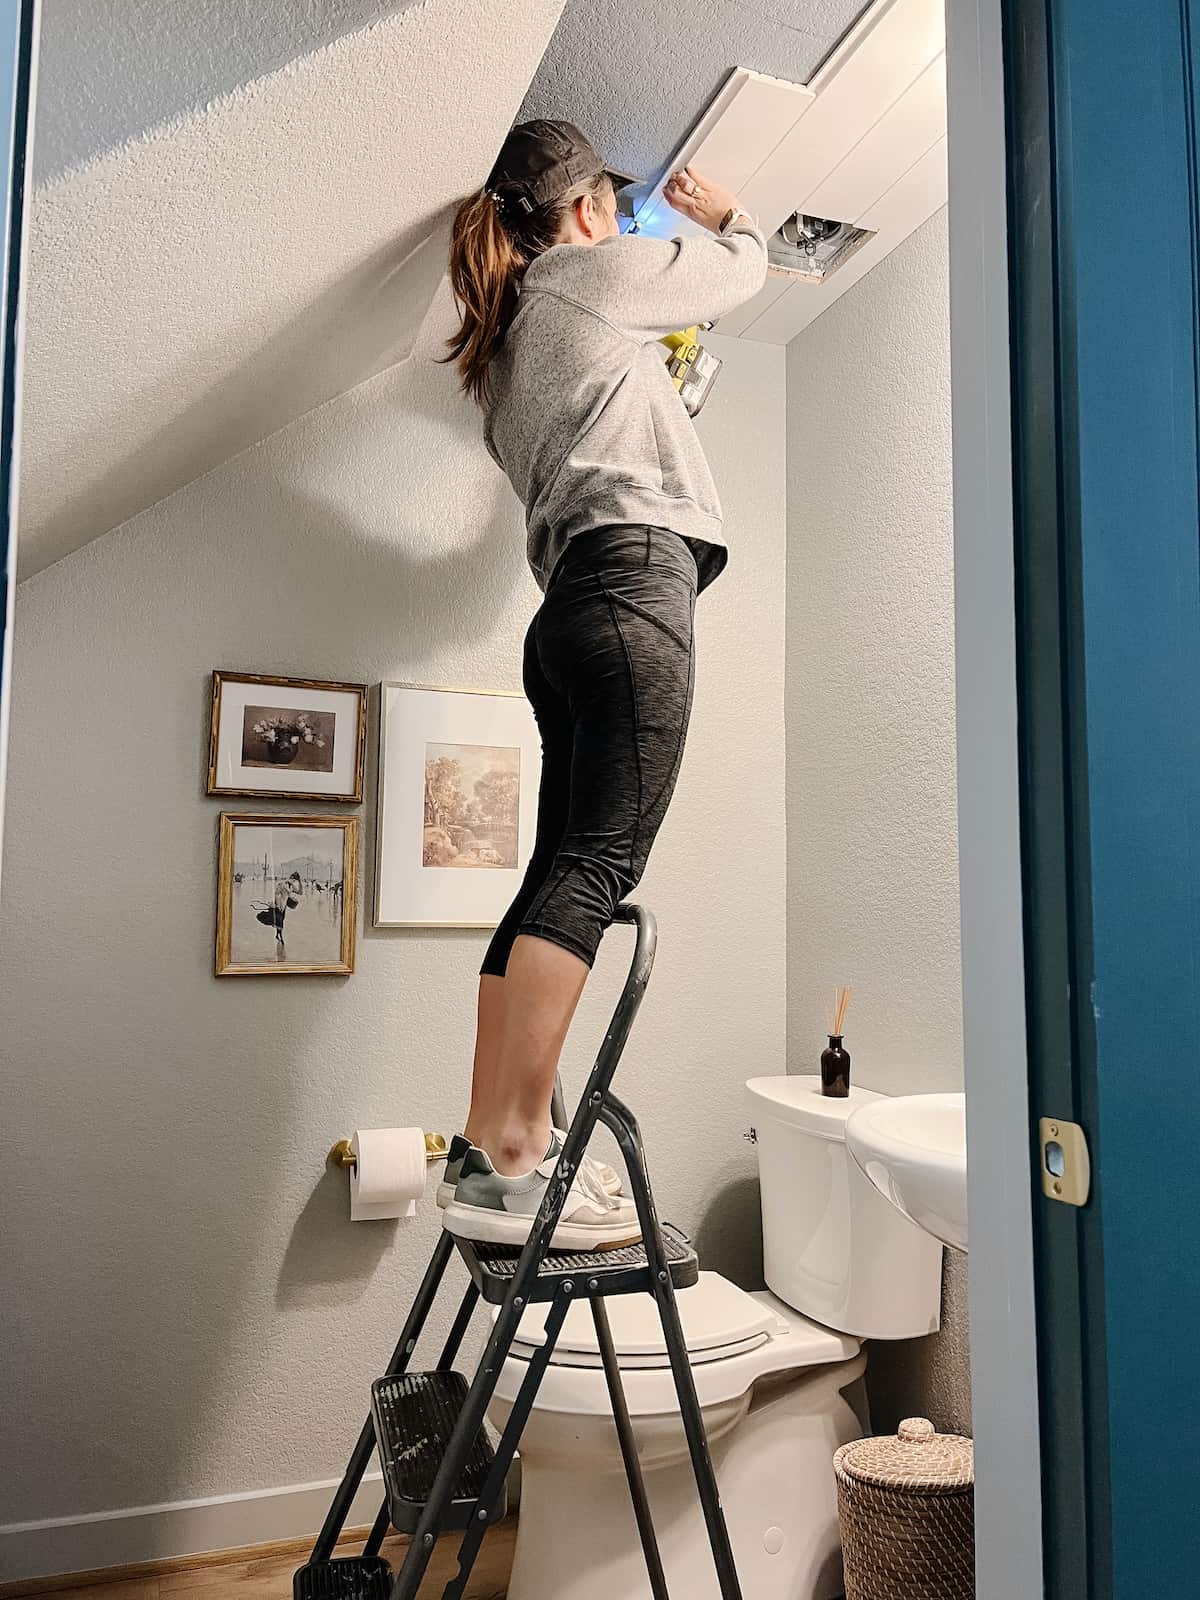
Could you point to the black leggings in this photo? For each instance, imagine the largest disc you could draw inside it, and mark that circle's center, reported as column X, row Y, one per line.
column 609, row 668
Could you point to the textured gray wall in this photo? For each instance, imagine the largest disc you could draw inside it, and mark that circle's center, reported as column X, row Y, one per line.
column 927, row 1377
column 872, row 829
column 194, row 1259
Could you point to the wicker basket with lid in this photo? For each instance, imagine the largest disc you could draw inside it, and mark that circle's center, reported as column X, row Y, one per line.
column 907, row 1511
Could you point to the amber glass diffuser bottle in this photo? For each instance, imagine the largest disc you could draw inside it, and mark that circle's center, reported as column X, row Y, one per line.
column 835, row 1059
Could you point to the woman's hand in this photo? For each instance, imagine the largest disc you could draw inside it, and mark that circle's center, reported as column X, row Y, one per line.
column 697, row 197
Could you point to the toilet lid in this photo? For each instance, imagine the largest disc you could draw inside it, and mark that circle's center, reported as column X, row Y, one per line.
column 718, row 1318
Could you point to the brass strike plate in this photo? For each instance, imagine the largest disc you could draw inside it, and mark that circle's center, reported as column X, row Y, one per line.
column 1066, row 1164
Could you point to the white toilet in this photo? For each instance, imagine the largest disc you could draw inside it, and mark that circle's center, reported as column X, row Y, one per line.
column 775, row 1373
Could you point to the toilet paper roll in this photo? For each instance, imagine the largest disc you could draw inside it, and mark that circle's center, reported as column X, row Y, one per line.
column 389, row 1172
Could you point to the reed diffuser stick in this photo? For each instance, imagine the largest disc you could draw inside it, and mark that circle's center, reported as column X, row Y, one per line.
column 835, row 1061
column 841, row 1001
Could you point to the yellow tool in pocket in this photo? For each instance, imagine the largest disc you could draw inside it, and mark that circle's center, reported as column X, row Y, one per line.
column 693, row 369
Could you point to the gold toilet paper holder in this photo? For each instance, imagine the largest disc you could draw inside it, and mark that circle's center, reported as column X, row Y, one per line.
column 437, row 1148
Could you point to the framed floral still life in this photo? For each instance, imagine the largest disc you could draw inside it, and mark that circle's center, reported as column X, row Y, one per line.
column 458, row 785
column 292, row 738
column 287, row 894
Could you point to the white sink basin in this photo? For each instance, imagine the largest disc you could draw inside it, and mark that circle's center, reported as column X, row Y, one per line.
column 913, row 1148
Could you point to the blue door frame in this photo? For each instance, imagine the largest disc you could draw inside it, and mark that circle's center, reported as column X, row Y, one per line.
column 1103, row 137
column 18, row 44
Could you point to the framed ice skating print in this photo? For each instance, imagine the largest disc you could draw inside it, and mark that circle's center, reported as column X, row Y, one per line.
column 458, row 783
column 296, row 738
column 287, row 894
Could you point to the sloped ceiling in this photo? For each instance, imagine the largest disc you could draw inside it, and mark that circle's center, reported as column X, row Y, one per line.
column 193, row 290
column 114, row 68
column 245, row 208
column 636, row 76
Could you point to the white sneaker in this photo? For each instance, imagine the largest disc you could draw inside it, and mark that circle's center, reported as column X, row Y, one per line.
column 604, row 1176
column 450, row 1172
column 601, row 1174
column 493, row 1209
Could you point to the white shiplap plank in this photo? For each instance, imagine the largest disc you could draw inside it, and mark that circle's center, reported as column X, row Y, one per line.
column 738, row 321
column 748, row 118
column 864, row 142
column 908, row 128
column 878, row 63
column 910, row 202
column 918, row 194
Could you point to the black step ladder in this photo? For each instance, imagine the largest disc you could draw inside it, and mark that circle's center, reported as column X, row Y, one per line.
column 440, row 1468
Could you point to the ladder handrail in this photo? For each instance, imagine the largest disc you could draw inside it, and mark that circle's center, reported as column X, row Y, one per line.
column 641, row 965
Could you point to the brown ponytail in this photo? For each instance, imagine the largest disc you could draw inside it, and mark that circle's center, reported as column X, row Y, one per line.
column 492, row 244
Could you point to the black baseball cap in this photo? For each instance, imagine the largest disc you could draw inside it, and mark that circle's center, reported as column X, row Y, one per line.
column 540, row 160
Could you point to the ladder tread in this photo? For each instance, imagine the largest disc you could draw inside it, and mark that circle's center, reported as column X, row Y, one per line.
column 414, row 1414
column 343, row 1578
column 623, row 1271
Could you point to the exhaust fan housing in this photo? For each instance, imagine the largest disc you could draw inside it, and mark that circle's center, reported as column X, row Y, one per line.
column 812, row 248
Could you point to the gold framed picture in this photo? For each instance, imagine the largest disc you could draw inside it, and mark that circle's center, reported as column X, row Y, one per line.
column 286, row 738
column 458, row 787
column 287, row 894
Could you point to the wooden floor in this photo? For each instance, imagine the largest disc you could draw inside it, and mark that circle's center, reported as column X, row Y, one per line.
column 266, row 1573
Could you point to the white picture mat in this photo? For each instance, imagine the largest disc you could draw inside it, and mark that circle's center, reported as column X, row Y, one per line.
column 408, row 893
column 231, row 773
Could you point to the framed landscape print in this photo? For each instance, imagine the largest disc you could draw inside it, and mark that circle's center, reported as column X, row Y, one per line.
column 299, row 738
column 287, row 894
column 458, row 785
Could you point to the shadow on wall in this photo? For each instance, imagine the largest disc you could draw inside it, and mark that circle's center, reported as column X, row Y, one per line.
column 928, row 1377
column 729, row 1237
column 168, row 54
column 367, row 321
column 328, row 1263
column 377, row 562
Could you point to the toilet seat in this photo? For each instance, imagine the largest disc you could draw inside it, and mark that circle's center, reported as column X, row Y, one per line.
column 646, row 1363
column 733, row 1339
column 719, row 1320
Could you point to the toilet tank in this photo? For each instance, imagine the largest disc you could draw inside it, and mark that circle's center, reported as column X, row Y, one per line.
column 833, row 1247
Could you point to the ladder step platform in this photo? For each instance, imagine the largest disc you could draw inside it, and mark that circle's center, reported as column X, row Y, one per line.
column 346, row 1578
column 414, row 1414
column 592, row 1272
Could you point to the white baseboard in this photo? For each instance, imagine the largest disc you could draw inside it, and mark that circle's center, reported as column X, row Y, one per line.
column 182, row 1528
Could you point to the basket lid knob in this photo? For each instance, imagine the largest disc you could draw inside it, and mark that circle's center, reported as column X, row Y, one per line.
column 916, row 1430
column 916, row 1459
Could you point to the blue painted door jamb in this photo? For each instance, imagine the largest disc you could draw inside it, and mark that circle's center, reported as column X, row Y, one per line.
column 1104, row 134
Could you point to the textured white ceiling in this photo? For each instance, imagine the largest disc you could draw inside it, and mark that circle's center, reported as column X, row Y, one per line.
column 636, row 76
column 113, row 68
column 196, row 289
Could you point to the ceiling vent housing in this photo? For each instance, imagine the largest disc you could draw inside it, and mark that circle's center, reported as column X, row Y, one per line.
column 813, row 248
column 837, row 171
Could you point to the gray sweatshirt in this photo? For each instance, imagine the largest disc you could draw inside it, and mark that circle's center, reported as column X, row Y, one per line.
column 584, row 417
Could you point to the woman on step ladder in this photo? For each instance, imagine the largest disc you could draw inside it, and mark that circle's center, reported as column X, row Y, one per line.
column 558, row 343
